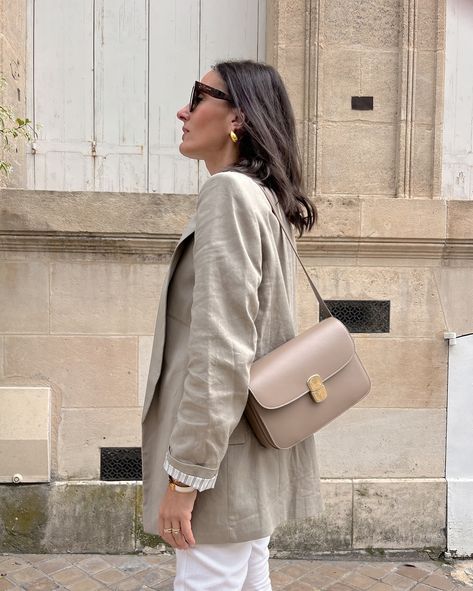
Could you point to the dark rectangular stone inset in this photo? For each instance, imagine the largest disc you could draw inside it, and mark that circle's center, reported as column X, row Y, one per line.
column 120, row 463
column 362, row 103
column 361, row 316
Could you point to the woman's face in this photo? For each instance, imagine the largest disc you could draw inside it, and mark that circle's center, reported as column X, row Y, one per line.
column 206, row 129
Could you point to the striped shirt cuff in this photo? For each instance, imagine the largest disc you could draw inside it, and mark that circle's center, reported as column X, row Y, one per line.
column 199, row 484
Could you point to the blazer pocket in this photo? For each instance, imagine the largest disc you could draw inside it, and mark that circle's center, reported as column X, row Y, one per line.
column 240, row 433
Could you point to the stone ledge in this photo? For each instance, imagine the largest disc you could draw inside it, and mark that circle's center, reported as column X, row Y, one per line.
column 93, row 516
column 150, row 224
column 93, row 213
column 157, row 245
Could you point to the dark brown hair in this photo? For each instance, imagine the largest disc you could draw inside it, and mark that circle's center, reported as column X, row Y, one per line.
column 269, row 151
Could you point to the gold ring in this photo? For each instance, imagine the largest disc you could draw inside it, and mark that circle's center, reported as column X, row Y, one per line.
column 176, row 531
column 168, row 530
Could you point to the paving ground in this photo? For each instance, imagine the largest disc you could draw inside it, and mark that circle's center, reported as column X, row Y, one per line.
column 88, row 572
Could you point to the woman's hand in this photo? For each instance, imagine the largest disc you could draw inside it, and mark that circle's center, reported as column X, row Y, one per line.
column 175, row 514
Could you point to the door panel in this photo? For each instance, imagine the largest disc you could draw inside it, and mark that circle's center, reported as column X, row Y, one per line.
column 457, row 170
column 459, row 469
column 121, row 79
column 63, row 94
column 108, row 77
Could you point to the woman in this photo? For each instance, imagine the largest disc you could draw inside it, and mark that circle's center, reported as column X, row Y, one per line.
column 210, row 489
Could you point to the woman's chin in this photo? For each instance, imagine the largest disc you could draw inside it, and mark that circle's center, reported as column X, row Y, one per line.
column 185, row 150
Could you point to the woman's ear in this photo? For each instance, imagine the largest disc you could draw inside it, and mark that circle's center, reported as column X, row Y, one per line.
column 238, row 118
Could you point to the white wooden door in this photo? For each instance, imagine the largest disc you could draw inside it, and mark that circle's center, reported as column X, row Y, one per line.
column 459, row 469
column 457, row 170
column 63, row 91
column 120, row 101
column 107, row 78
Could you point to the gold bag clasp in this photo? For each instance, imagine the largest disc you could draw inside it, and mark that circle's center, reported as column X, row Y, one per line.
column 316, row 388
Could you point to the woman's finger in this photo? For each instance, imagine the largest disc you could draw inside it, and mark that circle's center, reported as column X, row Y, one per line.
column 166, row 534
column 178, row 536
column 186, row 530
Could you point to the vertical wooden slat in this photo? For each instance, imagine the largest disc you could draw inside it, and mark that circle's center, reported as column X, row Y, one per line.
column 458, row 120
column 63, row 94
column 30, row 114
column 173, row 68
column 121, row 64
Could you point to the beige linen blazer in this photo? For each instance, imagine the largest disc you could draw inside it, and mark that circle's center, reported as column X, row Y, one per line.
column 229, row 298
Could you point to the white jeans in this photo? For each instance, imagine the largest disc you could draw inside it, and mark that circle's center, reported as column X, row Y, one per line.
column 239, row 566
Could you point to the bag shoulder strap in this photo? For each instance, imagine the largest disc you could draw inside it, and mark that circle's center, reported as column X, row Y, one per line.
column 325, row 312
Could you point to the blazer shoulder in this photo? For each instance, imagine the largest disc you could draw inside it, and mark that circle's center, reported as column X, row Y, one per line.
column 238, row 186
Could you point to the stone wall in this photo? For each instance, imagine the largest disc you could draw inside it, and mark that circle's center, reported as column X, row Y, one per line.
column 391, row 50
column 80, row 280
column 80, row 275
column 13, row 68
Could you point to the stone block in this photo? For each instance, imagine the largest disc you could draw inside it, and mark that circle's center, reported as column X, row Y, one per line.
column 95, row 517
column 405, row 373
column 23, row 517
column 89, row 371
column 357, row 158
column 24, row 297
column 425, row 87
column 339, row 80
column 399, row 218
column 383, row 443
column 362, row 24
column 24, row 459
column 380, row 79
column 292, row 22
column 330, row 532
column 143, row 539
column 105, row 298
column 145, row 346
column 430, row 24
column 347, row 72
column 14, row 23
column 95, row 212
column 422, row 162
column 459, row 220
column 83, row 432
column 403, row 514
column 339, row 217
column 24, row 413
column 416, row 309
column 290, row 64
column 24, row 434
column 455, row 286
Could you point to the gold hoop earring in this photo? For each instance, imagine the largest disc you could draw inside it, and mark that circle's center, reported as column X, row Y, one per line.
column 233, row 137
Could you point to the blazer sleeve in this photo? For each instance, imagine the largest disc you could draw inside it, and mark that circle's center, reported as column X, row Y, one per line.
column 222, row 343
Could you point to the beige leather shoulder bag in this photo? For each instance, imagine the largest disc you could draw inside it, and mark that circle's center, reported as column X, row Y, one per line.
column 305, row 383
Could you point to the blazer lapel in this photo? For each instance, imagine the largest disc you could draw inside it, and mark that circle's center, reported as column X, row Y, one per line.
column 160, row 329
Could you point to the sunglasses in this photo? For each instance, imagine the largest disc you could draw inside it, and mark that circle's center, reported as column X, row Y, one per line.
column 200, row 88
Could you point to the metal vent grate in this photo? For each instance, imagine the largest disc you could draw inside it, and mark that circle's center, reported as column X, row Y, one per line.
column 120, row 463
column 362, row 103
column 362, row 315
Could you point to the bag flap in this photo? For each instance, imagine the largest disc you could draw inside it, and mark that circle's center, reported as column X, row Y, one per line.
column 281, row 376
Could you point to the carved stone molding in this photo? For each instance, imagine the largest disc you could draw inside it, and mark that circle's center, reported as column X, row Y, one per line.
column 162, row 245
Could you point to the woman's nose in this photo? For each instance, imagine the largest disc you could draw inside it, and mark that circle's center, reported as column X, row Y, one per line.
column 183, row 113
